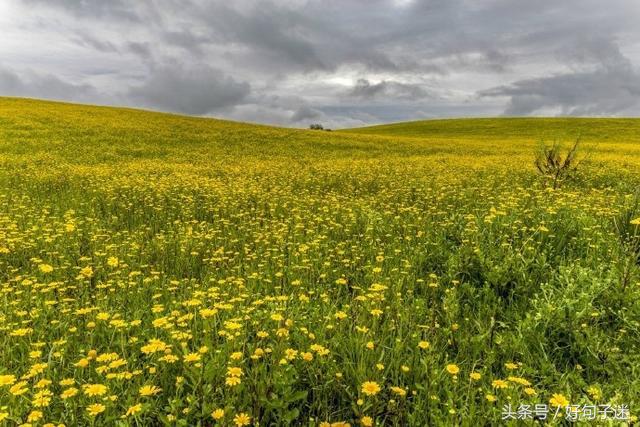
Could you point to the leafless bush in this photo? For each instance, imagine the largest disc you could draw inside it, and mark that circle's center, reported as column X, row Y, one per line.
column 556, row 164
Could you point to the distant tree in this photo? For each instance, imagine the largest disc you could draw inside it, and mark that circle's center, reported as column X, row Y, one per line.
column 316, row 126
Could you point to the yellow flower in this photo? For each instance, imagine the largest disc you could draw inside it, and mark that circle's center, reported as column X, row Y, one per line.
column 490, row 398
column 94, row 389
column 453, row 369
column 242, row 419
column 399, row 391
column 500, row 384
column 594, row 392
column 218, row 414
column 95, row 409
column 519, row 380
column 45, row 268
column 511, row 366
column 192, row 357
column 370, row 388
column 82, row 363
column 423, row 345
column 41, row 400
column 133, row 410
column 4, row 416
column 475, row 376
column 149, row 390
column 18, row 388
column 234, row 371
column 558, row 400
column 232, row 381
column 87, row 272
column 34, row 416
column 635, row 221
column 366, row 421
column 153, row 346
column 112, row 261
column 7, row 379
column 70, row 392
column 529, row 391
column 21, row 332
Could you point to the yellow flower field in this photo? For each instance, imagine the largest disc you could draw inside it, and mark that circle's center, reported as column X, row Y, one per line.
column 164, row 270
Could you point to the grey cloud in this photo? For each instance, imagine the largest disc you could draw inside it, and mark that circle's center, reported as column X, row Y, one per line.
column 608, row 84
column 601, row 92
column 89, row 41
column 594, row 50
column 287, row 61
column 198, row 90
column 305, row 113
column 142, row 50
column 31, row 84
column 120, row 9
column 389, row 89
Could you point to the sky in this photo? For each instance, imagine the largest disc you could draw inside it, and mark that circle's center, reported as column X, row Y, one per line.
column 341, row 63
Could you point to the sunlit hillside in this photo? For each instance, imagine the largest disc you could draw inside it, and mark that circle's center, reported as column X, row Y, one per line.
column 158, row 269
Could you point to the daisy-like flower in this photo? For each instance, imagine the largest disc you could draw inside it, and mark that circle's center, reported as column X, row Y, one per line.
column 366, row 421
column 558, row 400
column 149, row 390
column 7, row 380
column 453, row 369
column 370, row 388
column 232, row 381
column 95, row 409
column 500, row 384
column 45, row 268
column 70, row 392
column 242, row 419
column 192, row 357
column 133, row 410
column 94, row 389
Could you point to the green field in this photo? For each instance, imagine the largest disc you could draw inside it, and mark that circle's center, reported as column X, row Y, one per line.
column 158, row 269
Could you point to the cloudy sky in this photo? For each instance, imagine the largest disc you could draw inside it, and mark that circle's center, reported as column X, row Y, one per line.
column 337, row 62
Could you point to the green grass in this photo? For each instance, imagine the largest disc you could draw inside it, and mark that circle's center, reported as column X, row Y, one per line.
column 408, row 255
column 626, row 130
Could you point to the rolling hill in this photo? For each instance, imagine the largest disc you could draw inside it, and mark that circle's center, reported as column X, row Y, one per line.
column 157, row 269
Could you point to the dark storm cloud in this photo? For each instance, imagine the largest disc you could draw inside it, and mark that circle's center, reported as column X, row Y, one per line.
column 607, row 91
column 343, row 61
column 196, row 91
column 305, row 113
column 603, row 82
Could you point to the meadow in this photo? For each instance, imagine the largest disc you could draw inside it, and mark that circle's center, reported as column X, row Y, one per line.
column 166, row 270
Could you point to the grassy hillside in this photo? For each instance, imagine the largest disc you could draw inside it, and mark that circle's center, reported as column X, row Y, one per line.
column 159, row 269
column 522, row 129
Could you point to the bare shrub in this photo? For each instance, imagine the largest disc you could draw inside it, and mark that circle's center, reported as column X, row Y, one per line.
column 556, row 164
